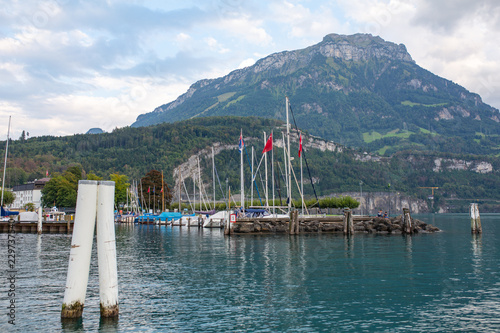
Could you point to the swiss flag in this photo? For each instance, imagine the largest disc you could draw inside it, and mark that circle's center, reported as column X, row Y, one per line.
column 269, row 144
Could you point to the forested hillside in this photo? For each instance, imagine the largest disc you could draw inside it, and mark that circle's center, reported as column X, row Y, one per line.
column 135, row 151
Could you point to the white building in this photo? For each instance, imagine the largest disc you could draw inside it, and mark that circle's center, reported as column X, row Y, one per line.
column 30, row 192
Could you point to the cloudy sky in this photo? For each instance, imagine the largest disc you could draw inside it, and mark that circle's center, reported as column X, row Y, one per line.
column 68, row 65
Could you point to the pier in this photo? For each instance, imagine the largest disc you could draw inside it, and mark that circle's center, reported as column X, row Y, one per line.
column 333, row 224
column 60, row 227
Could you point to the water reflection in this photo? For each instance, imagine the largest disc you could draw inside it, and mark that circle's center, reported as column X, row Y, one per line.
column 349, row 246
column 199, row 280
column 72, row 325
column 108, row 325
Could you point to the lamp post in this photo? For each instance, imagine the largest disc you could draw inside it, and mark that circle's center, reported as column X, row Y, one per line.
column 361, row 197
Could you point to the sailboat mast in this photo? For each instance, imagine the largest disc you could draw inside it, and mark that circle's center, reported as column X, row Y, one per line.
column 162, row 193
column 180, row 194
column 213, row 172
column 285, row 164
column 289, row 160
column 5, row 162
column 301, row 176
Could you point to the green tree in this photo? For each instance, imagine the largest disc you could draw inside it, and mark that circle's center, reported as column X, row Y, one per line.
column 152, row 189
column 121, row 185
column 61, row 190
column 29, row 207
column 8, row 197
column 93, row 176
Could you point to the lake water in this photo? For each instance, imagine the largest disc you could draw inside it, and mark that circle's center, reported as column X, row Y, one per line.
column 186, row 280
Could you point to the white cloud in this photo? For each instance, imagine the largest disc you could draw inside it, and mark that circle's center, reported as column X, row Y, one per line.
column 249, row 29
column 66, row 67
column 303, row 22
column 246, row 63
column 453, row 39
column 214, row 45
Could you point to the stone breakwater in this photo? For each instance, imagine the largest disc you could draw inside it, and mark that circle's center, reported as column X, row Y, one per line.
column 331, row 224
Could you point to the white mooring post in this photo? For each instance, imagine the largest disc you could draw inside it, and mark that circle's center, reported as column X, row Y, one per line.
column 39, row 224
column 106, row 249
column 81, row 249
column 95, row 200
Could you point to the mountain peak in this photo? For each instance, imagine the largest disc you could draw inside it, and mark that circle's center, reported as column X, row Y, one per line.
column 359, row 90
column 361, row 47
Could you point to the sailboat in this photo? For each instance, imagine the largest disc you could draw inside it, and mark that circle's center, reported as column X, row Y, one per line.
column 5, row 213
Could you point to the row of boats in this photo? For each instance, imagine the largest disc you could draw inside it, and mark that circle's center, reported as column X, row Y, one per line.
column 211, row 219
column 205, row 219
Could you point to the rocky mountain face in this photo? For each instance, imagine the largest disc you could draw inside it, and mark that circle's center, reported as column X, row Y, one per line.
column 357, row 90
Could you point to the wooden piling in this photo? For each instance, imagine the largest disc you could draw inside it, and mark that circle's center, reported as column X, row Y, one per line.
column 68, row 220
column 293, row 225
column 407, row 223
column 475, row 219
column 296, row 222
column 348, row 222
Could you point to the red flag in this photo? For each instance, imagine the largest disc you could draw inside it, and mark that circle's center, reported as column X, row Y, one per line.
column 269, row 144
column 149, row 188
column 300, row 145
column 47, row 173
column 161, row 190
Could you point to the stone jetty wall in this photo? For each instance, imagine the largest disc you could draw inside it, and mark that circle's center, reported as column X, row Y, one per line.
column 332, row 224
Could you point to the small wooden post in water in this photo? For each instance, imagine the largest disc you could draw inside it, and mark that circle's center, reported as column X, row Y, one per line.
column 348, row 222
column 39, row 224
column 227, row 224
column 81, row 250
column 68, row 220
column 106, row 250
column 297, row 229
column 475, row 219
column 291, row 225
column 407, row 225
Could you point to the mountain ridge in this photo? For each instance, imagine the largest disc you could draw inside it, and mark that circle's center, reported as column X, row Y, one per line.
column 343, row 89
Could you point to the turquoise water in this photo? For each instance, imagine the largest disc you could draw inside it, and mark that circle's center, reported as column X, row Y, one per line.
column 180, row 280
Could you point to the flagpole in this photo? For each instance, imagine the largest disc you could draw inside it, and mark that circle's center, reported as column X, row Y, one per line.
column 272, row 171
column 265, row 161
column 289, row 159
column 242, row 176
column 251, row 179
